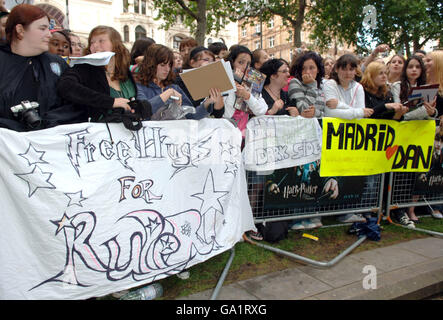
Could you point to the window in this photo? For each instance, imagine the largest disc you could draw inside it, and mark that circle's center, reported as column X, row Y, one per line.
column 272, row 56
column 176, row 42
column 243, row 32
column 143, row 6
column 140, row 32
column 271, row 23
column 136, row 6
column 126, row 34
column 257, row 28
column 271, row 42
column 125, row 5
column 257, row 44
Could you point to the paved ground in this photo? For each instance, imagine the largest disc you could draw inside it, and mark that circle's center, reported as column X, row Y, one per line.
column 410, row 270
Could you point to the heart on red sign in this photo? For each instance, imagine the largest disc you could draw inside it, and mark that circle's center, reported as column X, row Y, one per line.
column 390, row 151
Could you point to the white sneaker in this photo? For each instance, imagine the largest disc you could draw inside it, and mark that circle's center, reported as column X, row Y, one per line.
column 350, row 218
column 403, row 219
column 317, row 222
column 183, row 275
column 437, row 215
column 298, row 226
column 308, row 224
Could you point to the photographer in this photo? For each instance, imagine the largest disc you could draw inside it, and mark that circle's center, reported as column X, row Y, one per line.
column 29, row 73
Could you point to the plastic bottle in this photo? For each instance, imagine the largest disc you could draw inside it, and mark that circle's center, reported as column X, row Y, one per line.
column 149, row 292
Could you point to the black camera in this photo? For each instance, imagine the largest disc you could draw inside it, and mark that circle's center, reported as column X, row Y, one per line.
column 27, row 113
column 131, row 120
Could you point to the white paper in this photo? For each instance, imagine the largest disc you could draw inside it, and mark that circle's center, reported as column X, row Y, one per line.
column 95, row 59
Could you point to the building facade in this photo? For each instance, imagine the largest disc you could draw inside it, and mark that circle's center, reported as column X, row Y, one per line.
column 132, row 18
column 277, row 39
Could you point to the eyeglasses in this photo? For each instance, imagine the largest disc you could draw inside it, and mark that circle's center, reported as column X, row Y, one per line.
column 284, row 71
column 206, row 59
column 77, row 44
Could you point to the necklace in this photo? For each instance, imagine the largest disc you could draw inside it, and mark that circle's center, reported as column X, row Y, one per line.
column 273, row 95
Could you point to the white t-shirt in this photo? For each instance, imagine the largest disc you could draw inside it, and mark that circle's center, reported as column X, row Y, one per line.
column 351, row 101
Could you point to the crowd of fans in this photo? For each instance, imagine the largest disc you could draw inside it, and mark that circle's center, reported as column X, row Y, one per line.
column 34, row 67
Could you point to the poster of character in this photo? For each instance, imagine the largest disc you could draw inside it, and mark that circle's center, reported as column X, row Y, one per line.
column 432, row 181
column 302, row 185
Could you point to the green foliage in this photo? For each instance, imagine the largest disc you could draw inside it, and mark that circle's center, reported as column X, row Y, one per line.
column 400, row 23
column 210, row 15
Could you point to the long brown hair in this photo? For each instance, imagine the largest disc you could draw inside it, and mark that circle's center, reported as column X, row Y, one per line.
column 155, row 55
column 122, row 56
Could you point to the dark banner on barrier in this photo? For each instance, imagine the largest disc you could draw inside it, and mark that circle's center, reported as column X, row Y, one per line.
column 302, row 185
column 432, row 181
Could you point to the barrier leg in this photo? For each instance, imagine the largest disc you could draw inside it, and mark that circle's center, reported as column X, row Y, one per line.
column 223, row 275
column 320, row 264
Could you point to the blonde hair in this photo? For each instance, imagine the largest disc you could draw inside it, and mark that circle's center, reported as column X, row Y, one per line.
column 371, row 71
column 437, row 57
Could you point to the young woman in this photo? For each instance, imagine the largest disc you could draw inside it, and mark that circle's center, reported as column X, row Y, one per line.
column 328, row 63
column 178, row 62
column 377, row 94
column 240, row 58
column 76, row 45
column 277, row 74
column 138, row 49
column 413, row 75
column 60, row 43
column 198, row 57
column 395, row 67
column 259, row 57
column 97, row 90
column 157, row 83
column 305, row 87
column 27, row 70
column 434, row 74
column 345, row 98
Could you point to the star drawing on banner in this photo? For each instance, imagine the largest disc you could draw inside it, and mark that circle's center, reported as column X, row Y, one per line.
column 152, row 225
column 75, row 198
column 36, row 179
column 33, row 156
column 226, row 147
column 65, row 221
column 209, row 196
column 231, row 167
column 167, row 245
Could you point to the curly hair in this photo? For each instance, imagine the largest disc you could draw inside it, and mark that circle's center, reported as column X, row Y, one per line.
column 122, row 57
column 155, row 55
column 297, row 67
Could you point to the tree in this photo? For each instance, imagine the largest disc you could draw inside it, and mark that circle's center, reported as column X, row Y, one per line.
column 403, row 24
column 292, row 13
column 201, row 16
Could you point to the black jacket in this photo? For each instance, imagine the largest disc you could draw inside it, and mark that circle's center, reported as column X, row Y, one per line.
column 88, row 89
column 46, row 69
column 378, row 104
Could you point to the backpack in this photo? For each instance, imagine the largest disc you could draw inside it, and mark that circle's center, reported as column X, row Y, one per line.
column 274, row 231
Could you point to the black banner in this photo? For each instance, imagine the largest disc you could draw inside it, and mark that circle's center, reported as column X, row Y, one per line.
column 302, row 185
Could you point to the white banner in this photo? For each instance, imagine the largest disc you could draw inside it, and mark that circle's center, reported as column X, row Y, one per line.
column 86, row 212
column 277, row 142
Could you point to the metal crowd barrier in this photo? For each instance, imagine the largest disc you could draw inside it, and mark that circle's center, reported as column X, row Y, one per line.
column 400, row 195
column 371, row 201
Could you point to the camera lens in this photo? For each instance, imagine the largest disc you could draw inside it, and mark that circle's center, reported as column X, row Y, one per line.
column 31, row 118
